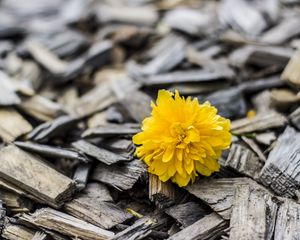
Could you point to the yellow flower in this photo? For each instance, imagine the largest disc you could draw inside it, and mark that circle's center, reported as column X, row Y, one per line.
column 181, row 138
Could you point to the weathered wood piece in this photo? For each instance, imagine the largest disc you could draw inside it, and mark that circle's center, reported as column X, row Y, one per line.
column 291, row 73
column 217, row 193
column 111, row 130
column 28, row 172
column 253, row 213
column 89, row 207
column 186, row 214
column 283, row 99
column 280, row 172
column 282, row 32
column 260, row 122
column 41, row 108
column 17, row 232
column 287, row 221
column 54, row 128
column 295, row 118
column 255, row 148
column 244, row 161
column 2, row 215
column 162, row 193
column 208, row 227
column 54, row 220
column 191, row 76
column 7, row 91
column 137, row 107
column 15, row 202
column 99, row 153
column 140, row 229
column 40, row 236
column 122, row 177
column 81, row 175
column 12, row 125
column 51, row 151
column 46, row 58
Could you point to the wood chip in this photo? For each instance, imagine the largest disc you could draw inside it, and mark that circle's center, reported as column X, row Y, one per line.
column 280, row 170
column 208, row 227
column 121, row 177
column 17, row 232
column 29, row 171
column 99, row 153
column 291, row 73
column 295, row 118
column 54, row 220
column 12, row 125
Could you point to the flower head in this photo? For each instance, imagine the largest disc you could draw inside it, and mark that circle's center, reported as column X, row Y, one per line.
column 182, row 138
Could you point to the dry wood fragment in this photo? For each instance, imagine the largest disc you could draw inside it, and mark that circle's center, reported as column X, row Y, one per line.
column 291, row 73
column 255, row 148
column 121, row 177
column 253, row 213
column 15, row 202
column 89, row 207
column 287, row 221
column 217, row 193
column 208, row 227
column 162, row 193
column 111, row 130
column 28, row 172
column 17, row 232
column 81, row 175
column 280, row 172
column 54, row 220
column 295, row 118
column 7, row 91
column 41, row 108
column 258, row 123
column 40, row 236
column 282, row 99
column 51, row 151
column 2, row 215
column 12, row 124
column 265, row 138
column 54, row 128
column 186, row 214
column 46, row 58
column 99, row 153
column 139, row 229
column 244, row 161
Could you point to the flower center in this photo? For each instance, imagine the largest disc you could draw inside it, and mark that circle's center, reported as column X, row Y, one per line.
column 178, row 131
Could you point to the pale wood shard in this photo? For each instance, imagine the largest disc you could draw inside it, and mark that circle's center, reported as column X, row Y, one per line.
column 90, row 207
column 40, row 236
column 111, row 130
column 191, row 76
column 244, row 161
column 54, row 220
column 51, row 151
column 98, row 191
column 137, row 107
column 259, row 123
column 255, row 148
column 253, row 213
column 287, row 221
column 17, row 232
column 265, row 138
column 28, row 172
column 283, row 31
column 186, row 214
column 217, row 193
column 295, row 118
column 7, row 91
column 15, row 202
column 54, row 128
column 208, row 227
column 12, row 125
column 41, row 108
column 283, row 99
column 162, row 193
column 121, row 177
column 280, row 172
column 99, row 153
column 291, row 73
column 2, row 215
column 141, row 228
column 46, row 58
